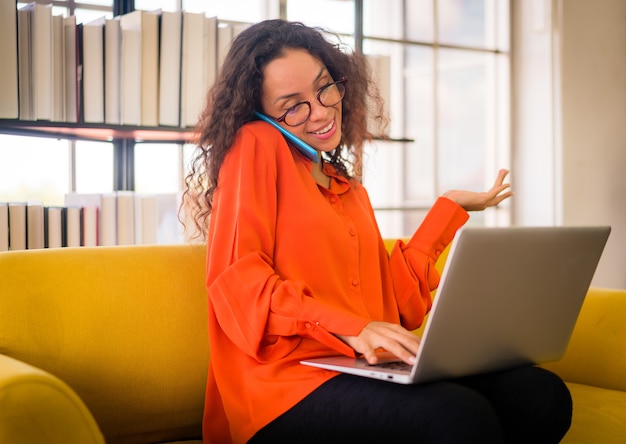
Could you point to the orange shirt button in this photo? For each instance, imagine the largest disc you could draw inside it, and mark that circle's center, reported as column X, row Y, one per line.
column 352, row 232
column 333, row 199
column 308, row 325
column 355, row 282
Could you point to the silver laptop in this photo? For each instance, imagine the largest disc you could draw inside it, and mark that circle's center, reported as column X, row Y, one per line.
column 507, row 297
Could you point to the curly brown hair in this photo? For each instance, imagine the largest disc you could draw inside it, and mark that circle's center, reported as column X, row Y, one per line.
column 236, row 94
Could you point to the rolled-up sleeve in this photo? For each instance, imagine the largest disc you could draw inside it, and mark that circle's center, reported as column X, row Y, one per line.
column 412, row 264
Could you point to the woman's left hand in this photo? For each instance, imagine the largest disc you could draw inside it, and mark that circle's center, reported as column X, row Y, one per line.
column 478, row 201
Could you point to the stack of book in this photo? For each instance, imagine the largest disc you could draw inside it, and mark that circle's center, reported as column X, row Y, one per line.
column 143, row 68
column 120, row 218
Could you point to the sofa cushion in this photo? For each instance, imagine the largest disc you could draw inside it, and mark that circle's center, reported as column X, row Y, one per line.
column 599, row 415
column 591, row 356
column 124, row 327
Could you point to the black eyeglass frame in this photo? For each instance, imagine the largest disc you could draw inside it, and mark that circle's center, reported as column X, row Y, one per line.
column 342, row 82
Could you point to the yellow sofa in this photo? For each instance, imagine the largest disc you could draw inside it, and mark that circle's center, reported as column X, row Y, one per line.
column 109, row 344
column 103, row 344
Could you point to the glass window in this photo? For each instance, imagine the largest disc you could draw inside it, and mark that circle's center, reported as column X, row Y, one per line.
column 475, row 23
column 94, row 167
column 158, row 168
column 399, row 19
column 248, row 11
column 107, row 3
column 450, row 103
column 418, row 20
column 381, row 18
column 461, row 125
column 33, row 169
column 151, row 5
column 419, row 164
column 334, row 15
column 89, row 15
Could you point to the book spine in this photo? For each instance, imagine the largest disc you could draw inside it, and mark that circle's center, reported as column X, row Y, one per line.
column 4, row 226
column 17, row 226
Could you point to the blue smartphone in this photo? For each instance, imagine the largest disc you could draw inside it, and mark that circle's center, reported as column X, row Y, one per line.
column 302, row 146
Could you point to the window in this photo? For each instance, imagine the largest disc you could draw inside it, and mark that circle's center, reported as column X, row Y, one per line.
column 443, row 70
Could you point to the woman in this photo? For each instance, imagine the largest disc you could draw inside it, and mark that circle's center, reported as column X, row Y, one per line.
column 296, row 267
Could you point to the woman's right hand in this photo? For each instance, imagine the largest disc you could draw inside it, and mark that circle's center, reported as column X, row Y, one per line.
column 392, row 337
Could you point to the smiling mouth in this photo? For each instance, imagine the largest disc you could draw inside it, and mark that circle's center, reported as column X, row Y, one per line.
column 325, row 129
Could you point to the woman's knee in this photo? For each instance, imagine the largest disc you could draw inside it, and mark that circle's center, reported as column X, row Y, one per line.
column 463, row 415
column 533, row 404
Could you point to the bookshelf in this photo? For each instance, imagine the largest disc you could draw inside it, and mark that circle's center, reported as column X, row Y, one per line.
column 123, row 137
column 96, row 132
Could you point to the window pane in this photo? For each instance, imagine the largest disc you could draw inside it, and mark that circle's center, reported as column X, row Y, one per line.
column 335, row 15
column 462, row 22
column 461, row 110
column 157, row 168
column 398, row 19
column 188, row 155
column 248, row 11
column 400, row 223
column 33, row 169
column 108, row 3
column 419, row 20
column 383, row 18
column 89, row 15
column 151, row 5
column 420, row 123
column 94, row 167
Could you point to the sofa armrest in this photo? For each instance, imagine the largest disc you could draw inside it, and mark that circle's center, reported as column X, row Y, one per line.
column 36, row 406
column 595, row 354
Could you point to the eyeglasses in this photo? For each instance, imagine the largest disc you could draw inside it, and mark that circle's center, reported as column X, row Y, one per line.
column 329, row 95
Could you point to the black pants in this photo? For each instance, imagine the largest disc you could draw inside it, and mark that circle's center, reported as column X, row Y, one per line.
column 523, row 405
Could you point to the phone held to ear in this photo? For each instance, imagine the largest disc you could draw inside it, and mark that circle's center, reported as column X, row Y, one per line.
column 302, row 146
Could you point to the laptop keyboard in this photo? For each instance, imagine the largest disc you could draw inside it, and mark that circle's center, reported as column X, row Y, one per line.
column 393, row 365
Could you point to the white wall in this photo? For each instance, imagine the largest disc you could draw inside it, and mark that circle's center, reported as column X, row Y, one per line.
column 569, row 120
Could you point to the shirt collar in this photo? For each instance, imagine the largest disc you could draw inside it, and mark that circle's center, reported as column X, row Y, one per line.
column 338, row 183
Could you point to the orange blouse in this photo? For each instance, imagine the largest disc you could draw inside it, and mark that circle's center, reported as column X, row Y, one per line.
column 289, row 265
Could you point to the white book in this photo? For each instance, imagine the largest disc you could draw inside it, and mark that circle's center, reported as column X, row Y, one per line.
column 108, row 219
column 210, row 51
column 58, row 69
column 149, row 220
column 9, row 105
column 72, row 69
column 90, row 223
column 170, row 66
column 150, row 68
column 225, row 35
column 170, row 229
column 130, row 74
column 239, row 28
column 90, row 204
column 140, row 67
column 112, row 57
column 35, row 223
column 54, row 221
column 25, row 86
column 381, row 75
column 93, row 71
column 4, row 226
column 42, row 71
column 193, row 81
column 73, row 228
column 125, row 218
column 17, row 226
